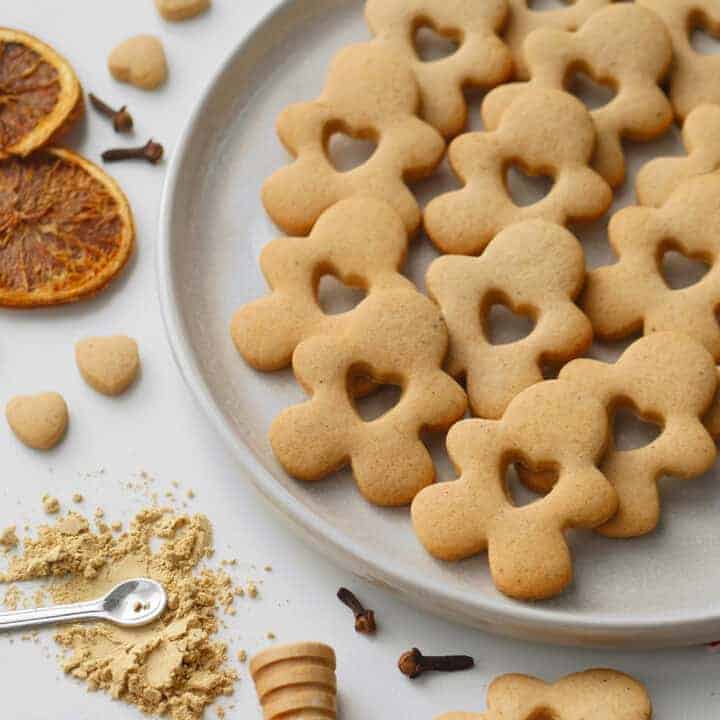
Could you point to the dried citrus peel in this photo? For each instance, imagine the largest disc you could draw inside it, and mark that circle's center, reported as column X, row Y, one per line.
column 40, row 95
column 66, row 229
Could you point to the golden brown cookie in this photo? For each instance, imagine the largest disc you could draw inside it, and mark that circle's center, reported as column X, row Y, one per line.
column 39, row 421
column 667, row 378
column 361, row 241
column 139, row 61
column 108, row 364
column 694, row 75
column 534, row 267
column 590, row 695
column 658, row 178
column 522, row 20
column 550, row 425
column 394, row 337
column 481, row 60
column 632, row 295
column 296, row 681
column 371, row 94
column 545, row 132
column 623, row 46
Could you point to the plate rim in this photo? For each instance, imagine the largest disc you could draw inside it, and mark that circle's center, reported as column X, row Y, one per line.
column 528, row 621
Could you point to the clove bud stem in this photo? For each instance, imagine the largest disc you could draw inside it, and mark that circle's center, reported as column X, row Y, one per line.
column 150, row 151
column 413, row 663
column 121, row 119
column 364, row 618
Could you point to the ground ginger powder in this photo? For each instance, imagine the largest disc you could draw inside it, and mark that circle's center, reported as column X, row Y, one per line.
column 172, row 667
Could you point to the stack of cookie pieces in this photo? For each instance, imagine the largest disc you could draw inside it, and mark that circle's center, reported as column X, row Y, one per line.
column 357, row 225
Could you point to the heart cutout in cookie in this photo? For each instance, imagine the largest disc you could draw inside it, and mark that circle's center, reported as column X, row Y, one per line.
column 39, row 421
column 347, row 153
column 430, row 45
column 680, row 271
column 526, row 189
column 502, row 325
column 593, row 94
column 139, row 61
column 631, row 431
column 108, row 364
column 176, row 10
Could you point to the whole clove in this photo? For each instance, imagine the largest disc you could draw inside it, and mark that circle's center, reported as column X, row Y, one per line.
column 151, row 151
column 413, row 663
column 364, row 618
column 121, row 119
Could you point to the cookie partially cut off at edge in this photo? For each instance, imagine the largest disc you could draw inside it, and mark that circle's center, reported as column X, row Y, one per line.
column 66, row 229
column 40, row 95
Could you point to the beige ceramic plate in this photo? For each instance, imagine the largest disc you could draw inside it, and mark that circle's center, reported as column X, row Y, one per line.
column 659, row 590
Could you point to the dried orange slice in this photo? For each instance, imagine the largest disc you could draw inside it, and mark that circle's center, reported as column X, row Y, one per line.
column 66, row 229
column 40, row 96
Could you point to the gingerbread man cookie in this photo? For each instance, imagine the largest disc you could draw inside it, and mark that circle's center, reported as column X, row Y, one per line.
column 632, row 294
column 523, row 20
column 546, row 132
column 665, row 377
column 371, row 93
column 590, row 695
column 481, row 60
column 624, row 46
column 551, row 425
column 658, row 178
column 534, row 267
column 694, row 75
column 396, row 337
column 361, row 241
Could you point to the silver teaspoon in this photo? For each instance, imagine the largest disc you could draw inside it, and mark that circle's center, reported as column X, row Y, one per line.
column 130, row 604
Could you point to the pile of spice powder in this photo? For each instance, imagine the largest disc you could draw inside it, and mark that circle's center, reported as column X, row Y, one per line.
column 172, row 667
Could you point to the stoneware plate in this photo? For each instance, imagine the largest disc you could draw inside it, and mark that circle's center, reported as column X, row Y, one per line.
column 663, row 589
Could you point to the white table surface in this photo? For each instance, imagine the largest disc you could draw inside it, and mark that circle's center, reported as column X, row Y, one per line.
column 157, row 428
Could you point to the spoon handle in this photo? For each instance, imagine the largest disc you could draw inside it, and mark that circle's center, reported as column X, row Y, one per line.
column 23, row 619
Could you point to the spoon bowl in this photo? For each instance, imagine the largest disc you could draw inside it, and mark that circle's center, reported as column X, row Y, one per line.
column 134, row 602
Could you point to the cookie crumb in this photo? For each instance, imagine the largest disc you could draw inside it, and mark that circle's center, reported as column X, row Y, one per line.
column 252, row 590
column 9, row 538
column 242, row 656
column 77, row 497
column 51, row 505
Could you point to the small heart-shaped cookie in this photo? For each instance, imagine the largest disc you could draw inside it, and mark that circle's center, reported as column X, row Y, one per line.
column 108, row 364
column 176, row 10
column 140, row 61
column 39, row 421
